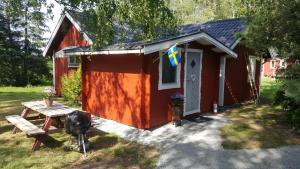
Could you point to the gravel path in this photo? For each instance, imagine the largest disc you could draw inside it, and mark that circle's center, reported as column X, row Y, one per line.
column 198, row 145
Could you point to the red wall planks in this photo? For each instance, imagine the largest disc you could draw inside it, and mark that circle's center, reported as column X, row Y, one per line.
column 70, row 37
column 237, row 77
column 117, row 88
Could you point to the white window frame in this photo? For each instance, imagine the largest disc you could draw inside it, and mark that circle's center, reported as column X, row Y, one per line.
column 282, row 61
column 164, row 86
column 252, row 71
column 272, row 66
column 74, row 64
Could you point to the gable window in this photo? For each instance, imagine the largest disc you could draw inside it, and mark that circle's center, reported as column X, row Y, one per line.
column 252, row 60
column 169, row 77
column 282, row 63
column 74, row 61
column 272, row 64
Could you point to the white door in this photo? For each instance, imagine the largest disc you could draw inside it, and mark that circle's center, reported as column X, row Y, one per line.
column 192, row 81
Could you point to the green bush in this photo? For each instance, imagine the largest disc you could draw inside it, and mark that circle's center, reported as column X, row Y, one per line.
column 293, row 89
column 294, row 118
column 71, row 87
column 293, row 72
column 288, row 96
column 279, row 97
column 289, row 104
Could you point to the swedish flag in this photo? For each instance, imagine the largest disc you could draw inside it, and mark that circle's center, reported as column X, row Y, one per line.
column 174, row 56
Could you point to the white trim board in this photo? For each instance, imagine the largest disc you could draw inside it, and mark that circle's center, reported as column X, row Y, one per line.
column 58, row 25
column 185, row 76
column 53, row 71
column 235, row 43
column 222, row 77
column 79, row 29
column 106, row 52
column 151, row 48
column 61, row 52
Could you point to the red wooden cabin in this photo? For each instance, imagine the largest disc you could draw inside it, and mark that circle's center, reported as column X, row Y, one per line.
column 272, row 66
column 132, row 82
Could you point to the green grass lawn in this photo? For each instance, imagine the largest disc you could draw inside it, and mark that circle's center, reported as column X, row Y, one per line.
column 268, row 88
column 108, row 150
column 259, row 126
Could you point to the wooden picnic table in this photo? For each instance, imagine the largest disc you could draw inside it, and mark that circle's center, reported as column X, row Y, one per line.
column 49, row 114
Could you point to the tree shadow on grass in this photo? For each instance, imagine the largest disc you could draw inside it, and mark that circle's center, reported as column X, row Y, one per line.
column 101, row 140
column 51, row 142
column 266, row 127
column 6, row 128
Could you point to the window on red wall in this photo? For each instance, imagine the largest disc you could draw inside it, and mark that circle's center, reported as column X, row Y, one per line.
column 168, row 72
column 74, row 61
column 169, row 77
column 272, row 64
column 282, row 63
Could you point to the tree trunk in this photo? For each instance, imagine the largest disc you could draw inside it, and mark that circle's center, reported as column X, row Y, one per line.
column 26, row 46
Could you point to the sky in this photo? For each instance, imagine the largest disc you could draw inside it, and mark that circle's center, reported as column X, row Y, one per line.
column 56, row 15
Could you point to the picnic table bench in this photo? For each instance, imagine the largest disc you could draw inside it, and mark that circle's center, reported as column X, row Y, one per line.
column 49, row 114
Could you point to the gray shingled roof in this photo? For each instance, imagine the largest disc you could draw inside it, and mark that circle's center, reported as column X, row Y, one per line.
column 223, row 31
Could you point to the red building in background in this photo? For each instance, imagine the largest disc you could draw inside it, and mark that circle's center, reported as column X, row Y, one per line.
column 272, row 66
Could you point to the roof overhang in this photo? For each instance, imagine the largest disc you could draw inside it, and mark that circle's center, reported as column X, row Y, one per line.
column 201, row 37
column 235, row 43
column 105, row 52
column 58, row 25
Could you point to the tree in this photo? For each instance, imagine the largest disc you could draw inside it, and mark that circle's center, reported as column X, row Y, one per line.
column 199, row 11
column 22, row 24
column 274, row 23
column 146, row 19
column 10, row 53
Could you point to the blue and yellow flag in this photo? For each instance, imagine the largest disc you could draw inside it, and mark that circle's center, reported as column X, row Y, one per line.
column 174, row 56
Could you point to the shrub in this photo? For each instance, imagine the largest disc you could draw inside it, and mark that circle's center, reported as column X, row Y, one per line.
column 292, row 89
column 293, row 72
column 294, row 117
column 71, row 86
column 289, row 104
column 279, row 97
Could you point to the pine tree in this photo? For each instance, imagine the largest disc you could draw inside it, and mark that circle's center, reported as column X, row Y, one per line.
column 23, row 24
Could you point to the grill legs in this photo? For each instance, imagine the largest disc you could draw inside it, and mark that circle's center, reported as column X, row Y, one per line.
column 81, row 143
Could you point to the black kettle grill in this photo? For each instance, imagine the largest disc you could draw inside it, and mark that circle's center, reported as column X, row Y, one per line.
column 77, row 124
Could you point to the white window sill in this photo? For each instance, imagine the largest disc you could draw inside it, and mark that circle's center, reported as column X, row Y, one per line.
column 73, row 66
column 168, row 86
